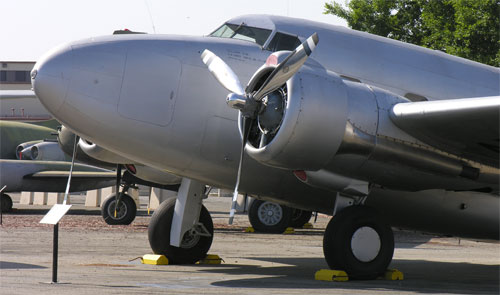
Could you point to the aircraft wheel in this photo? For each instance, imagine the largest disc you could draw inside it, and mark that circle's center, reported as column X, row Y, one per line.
column 300, row 217
column 269, row 217
column 193, row 247
column 6, row 203
column 357, row 241
column 125, row 213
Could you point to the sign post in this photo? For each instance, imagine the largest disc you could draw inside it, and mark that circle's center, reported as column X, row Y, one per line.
column 56, row 213
column 53, row 217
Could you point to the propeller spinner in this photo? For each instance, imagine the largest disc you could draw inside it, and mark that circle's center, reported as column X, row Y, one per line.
column 249, row 104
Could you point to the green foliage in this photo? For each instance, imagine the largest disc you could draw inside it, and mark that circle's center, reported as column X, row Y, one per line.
column 466, row 28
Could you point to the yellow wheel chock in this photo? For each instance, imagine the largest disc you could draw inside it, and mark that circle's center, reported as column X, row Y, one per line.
column 154, row 259
column 331, row 275
column 211, row 259
column 393, row 275
column 308, row 225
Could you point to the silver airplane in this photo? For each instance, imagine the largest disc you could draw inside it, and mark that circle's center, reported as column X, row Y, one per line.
column 376, row 132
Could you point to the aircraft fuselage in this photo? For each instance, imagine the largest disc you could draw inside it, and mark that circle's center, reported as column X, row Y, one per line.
column 150, row 98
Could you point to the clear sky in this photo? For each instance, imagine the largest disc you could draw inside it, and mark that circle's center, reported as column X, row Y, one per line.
column 28, row 28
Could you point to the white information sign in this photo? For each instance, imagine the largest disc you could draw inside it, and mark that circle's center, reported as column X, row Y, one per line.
column 55, row 214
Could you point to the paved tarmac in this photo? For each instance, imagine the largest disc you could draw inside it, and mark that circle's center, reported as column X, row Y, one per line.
column 94, row 258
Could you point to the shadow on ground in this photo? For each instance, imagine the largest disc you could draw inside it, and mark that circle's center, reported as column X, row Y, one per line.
column 420, row 276
column 16, row 265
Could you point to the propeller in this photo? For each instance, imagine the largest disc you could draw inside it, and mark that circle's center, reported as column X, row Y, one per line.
column 250, row 103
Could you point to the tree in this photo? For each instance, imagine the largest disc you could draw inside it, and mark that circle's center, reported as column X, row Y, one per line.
column 466, row 28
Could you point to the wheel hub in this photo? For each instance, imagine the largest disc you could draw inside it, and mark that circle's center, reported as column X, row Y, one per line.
column 365, row 244
column 121, row 211
column 270, row 214
column 190, row 239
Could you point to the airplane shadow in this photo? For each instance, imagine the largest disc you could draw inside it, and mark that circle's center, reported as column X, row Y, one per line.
column 16, row 265
column 420, row 276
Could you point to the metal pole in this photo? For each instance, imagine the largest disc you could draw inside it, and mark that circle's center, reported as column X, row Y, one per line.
column 1, row 206
column 54, row 252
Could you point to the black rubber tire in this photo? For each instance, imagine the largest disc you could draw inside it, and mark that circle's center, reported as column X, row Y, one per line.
column 159, row 235
column 126, row 203
column 337, row 243
column 260, row 226
column 300, row 217
column 6, row 203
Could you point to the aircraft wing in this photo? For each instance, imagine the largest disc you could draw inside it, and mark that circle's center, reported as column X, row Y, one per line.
column 467, row 127
column 17, row 94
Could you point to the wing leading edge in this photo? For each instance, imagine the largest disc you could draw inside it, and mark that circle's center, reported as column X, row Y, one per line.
column 467, row 127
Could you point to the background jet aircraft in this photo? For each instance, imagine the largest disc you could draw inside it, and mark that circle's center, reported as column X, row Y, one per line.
column 31, row 160
column 372, row 130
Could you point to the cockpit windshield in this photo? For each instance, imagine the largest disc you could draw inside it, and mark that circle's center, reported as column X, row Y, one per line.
column 242, row 32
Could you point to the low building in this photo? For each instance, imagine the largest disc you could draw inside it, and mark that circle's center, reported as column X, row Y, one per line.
column 17, row 100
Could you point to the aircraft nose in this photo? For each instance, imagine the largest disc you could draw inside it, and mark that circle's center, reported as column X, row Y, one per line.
column 50, row 77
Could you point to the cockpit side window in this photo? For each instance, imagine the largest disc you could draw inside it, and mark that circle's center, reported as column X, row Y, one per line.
column 242, row 32
column 283, row 42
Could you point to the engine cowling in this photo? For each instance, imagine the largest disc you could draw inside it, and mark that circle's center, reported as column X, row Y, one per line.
column 302, row 124
column 66, row 140
column 47, row 151
column 100, row 153
column 23, row 150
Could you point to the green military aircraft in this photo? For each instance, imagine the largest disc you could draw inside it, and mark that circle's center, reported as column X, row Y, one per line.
column 31, row 160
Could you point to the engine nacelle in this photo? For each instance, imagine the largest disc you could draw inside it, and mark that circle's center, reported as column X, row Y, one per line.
column 23, row 151
column 90, row 153
column 101, row 154
column 303, row 124
column 47, row 151
column 317, row 121
column 66, row 140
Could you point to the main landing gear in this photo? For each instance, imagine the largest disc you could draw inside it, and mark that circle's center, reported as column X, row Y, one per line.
column 356, row 240
column 182, row 229
column 121, row 209
column 6, row 203
column 359, row 242
column 271, row 217
column 125, row 212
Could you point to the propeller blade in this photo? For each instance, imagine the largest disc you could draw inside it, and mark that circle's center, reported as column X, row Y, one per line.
column 222, row 72
column 286, row 69
column 66, row 192
column 247, row 122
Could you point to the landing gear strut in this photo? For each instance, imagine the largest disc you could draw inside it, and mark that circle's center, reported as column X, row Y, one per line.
column 359, row 242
